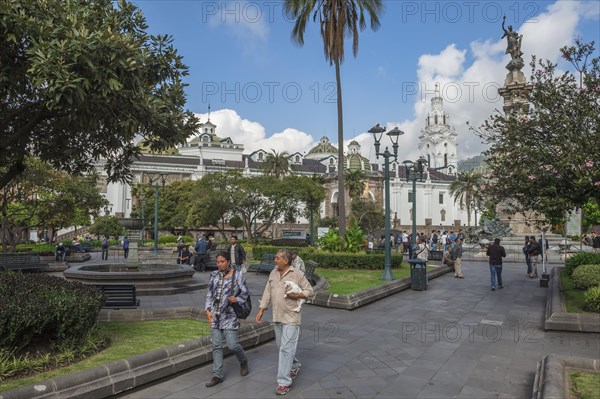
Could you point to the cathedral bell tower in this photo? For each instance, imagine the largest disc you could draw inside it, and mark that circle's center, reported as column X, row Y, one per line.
column 437, row 141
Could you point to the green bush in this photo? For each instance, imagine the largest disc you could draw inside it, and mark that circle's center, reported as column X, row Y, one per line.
column 346, row 260
column 39, row 306
column 582, row 258
column 341, row 260
column 354, row 238
column 172, row 240
column 592, row 299
column 331, row 241
column 586, row 276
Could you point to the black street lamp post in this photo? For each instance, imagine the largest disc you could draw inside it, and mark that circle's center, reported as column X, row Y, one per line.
column 414, row 172
column 162, row 176
column 393, row 134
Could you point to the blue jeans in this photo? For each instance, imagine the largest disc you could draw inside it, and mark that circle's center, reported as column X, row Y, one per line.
column 286, row 338
column 496, row 272
column 528, row 262
column 230, row 338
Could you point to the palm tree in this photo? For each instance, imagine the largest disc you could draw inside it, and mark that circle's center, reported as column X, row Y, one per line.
column 337, row 19
column 466, row 191
column 277, row 164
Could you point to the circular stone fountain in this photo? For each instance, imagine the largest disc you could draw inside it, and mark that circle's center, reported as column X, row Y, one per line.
column 148, row 278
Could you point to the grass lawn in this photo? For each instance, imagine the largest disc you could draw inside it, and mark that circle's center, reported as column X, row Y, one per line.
column 574, row 298
column 584, row 385
column 348, row 281
column 127, row 339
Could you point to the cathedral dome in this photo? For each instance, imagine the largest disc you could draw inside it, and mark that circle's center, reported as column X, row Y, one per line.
column 355, row 161
column 322, row 150
column 324, row 147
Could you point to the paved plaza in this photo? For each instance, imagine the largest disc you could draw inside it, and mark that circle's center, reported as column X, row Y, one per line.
column 457, row 339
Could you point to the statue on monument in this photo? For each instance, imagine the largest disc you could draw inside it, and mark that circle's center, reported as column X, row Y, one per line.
column 514, row 41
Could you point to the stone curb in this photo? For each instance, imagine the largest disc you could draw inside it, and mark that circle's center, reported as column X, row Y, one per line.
column 557, row 318
column 358, row 299
column 551, row 380
column 113, row 378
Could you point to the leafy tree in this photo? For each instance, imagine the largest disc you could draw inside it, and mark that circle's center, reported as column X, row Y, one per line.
column 368, row 215
column 107, row 226
column 210, row 203
column 80, row 80
column 43, row 197
column 277, row 164
column 173, row 207
column 236, row 222
column 69, row 201
column 466, row 191
column 547, row 160
column 337, row 19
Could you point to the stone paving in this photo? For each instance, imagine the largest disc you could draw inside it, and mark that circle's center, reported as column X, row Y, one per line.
column 457, row 339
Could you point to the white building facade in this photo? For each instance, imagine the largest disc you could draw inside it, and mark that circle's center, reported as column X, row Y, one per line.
column 206, row 152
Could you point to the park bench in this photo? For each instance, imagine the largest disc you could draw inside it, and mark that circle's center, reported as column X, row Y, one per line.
column 266, row 265
column 22, row 261
column 119, row 296
column 309, row 272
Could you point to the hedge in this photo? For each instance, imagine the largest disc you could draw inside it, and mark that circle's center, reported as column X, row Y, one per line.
column 592, row 299
column 582, row 258
column 586, row 276
column 169, row 239
column 338, row 260
column 39, row 306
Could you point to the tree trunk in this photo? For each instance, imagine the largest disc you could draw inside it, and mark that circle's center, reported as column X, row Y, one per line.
column 341, row 186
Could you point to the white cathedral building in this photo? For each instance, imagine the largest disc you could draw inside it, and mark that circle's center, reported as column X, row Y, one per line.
column 208, row 152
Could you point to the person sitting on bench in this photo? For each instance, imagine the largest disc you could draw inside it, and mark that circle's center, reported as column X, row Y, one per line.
column 184, row 256
column 60, row 253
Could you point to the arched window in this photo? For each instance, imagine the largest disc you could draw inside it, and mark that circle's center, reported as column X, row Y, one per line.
column 445, row 159
column 443, row 215
column 260, row 156
column 297, row 158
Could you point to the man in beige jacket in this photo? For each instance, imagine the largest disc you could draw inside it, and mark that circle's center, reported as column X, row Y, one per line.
column 286, row 322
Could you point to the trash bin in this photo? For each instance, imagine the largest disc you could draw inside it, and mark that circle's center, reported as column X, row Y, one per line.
column 418, row 274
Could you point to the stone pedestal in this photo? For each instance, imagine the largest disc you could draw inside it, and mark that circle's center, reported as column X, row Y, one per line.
column 515, row 94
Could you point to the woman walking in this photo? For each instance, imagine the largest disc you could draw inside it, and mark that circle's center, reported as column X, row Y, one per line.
column 224, row 288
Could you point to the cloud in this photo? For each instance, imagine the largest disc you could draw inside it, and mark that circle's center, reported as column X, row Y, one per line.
column 253, row 135
column 468, row 78
column 470, row 89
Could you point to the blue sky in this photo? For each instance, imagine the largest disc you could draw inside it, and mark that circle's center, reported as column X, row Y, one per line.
column 266, row 92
